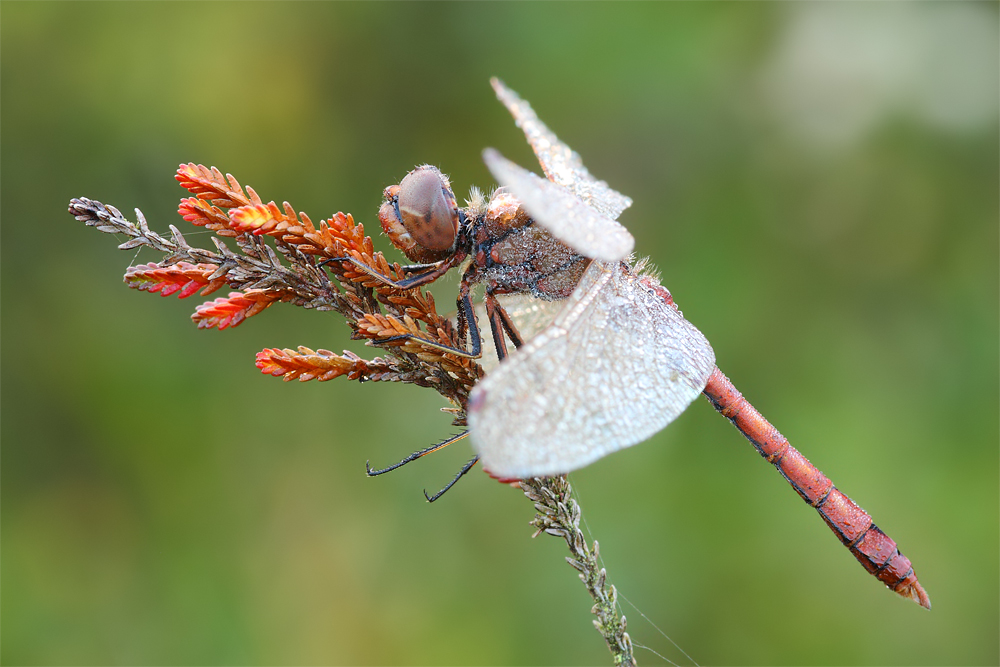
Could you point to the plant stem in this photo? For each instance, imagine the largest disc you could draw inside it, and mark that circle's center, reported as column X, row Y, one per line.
column 559, row 514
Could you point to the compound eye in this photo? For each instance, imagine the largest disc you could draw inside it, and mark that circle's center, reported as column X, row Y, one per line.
column 428, row 209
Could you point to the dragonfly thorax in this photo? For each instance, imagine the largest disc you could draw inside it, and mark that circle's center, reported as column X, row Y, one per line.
column 515, row 255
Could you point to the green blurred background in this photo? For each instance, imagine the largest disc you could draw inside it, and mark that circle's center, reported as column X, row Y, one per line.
column 817, row 183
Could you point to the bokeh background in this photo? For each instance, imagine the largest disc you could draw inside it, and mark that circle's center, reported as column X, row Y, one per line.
column 818, row 184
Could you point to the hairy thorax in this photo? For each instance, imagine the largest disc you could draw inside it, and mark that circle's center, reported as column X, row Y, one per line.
column 514, row 255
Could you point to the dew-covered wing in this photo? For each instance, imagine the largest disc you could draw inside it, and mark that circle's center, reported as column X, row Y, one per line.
column 561, row 212
column 530, row 315
column 560, row 163
column 616, row 366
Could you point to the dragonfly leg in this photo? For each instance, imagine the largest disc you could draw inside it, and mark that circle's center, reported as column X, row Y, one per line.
column 467, row 327
column 500, row 322
column 467, row 324
column 415, row 268
column 466, row 468
column 415, row 455
column 433, row 272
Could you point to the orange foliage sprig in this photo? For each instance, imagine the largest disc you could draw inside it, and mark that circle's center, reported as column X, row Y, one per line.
column 337, row 237
column 203, row 214
column 322, row 365
column 294, row 267
column 231, row 310
column 182, row 278
column 305, row 364
column 209, row 183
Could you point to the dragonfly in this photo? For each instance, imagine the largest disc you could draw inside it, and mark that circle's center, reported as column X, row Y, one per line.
column 603, row 357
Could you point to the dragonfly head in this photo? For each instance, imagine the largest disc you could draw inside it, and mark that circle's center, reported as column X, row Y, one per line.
column 420, row 215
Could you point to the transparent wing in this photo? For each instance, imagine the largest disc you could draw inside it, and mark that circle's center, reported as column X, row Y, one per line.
column 560, row 163
column 530, row 316
column 561, row 212
column 617, row 365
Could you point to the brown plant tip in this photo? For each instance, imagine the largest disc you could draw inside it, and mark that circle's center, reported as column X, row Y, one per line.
column 209, row 183
column 406, row 335
column 203, row 214
column 418, row 305
column 269, row 219
column 322, row 365
column 230, row 311
column 182, row 278
column 377, row 326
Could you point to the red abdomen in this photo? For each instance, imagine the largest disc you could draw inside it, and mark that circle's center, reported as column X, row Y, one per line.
column 875, row 550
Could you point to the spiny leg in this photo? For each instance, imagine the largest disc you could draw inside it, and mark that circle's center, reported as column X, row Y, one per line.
column 415, row 455
column 412, row 268
column 499, row 319
column 466, row 313
column 466, row 468
column 499, row 322
column 467, row 325
column 435, row 272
